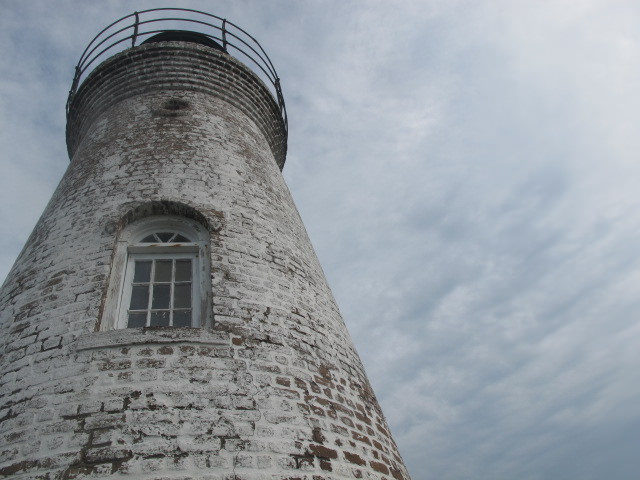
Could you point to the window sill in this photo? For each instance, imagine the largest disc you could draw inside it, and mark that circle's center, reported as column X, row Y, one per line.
column 149, row 335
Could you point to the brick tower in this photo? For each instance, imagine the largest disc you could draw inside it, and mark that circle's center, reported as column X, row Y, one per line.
column 168, row 317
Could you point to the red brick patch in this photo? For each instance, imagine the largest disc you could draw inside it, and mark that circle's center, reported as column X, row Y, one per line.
column 323, row 452
column 283, row 381
column 363, row 418
column 379, row 467
column 354, row 458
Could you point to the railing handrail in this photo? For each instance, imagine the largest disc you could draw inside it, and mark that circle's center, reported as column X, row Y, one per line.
column 241, row 41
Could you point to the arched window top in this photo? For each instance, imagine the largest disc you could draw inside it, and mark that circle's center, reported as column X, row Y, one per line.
column 165, row 237
column 164, row 229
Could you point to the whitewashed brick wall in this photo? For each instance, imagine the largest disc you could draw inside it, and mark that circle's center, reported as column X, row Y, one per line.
column 273, row 390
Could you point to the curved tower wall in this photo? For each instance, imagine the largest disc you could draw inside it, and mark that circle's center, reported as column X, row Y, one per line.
column 271, row 387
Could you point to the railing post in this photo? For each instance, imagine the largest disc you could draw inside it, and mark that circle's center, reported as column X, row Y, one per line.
column 279, row 93
column 135, row 30
column 224, row 34
column 76, row 79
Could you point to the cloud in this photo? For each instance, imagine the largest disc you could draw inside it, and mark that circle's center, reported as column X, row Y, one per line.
column 468, row 175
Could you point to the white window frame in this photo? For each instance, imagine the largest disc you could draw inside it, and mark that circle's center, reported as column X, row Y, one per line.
column 129, row 248
column 179, row 253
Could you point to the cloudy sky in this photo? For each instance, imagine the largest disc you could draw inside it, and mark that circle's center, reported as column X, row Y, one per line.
column 469, row 175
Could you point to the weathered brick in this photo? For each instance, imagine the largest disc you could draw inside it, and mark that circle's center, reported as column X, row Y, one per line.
column 323, row 452
column 379, row 467
column 354, row 458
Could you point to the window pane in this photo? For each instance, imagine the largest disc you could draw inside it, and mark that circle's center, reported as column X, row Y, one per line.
column 182, row 318
column 164, row 236
column 161, row 295
column 139, row 297
column 149, row 239
column 160, row 319
column 183, row 270
column 137, row 319
column 163, row 271
column 182, row 295
column 181, row 238
column 142, row 272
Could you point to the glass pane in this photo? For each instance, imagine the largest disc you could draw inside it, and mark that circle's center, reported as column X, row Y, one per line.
column 181, row 238
column 139, row 297
column 163, row 271
column 183, row 270
column 165, row 236
column 182, row 295
column 160, row 319
column 142, row 272
column 137, row 319
column 161, row 295
column 149, row 239
column 182, row 318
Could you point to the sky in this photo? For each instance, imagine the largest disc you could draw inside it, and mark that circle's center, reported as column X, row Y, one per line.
column 468, row 173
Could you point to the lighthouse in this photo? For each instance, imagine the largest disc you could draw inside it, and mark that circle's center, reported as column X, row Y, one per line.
column 167, row 317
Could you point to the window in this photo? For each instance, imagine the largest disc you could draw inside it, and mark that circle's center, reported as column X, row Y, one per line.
column 159, row 286
column 160, row 274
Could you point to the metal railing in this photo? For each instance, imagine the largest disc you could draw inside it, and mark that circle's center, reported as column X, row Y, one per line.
column 138, row 26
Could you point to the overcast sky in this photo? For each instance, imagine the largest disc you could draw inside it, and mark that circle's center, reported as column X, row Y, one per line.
column 469, row 175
